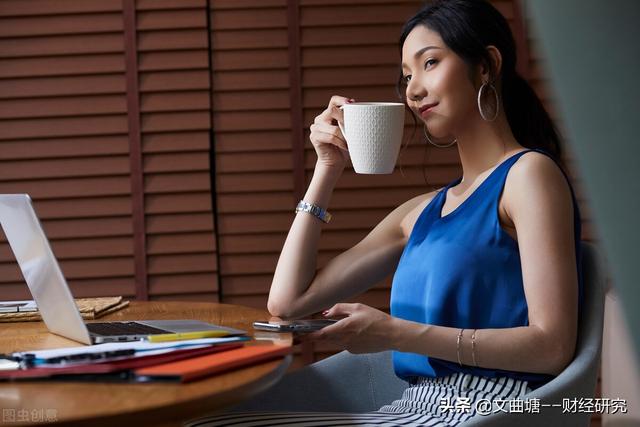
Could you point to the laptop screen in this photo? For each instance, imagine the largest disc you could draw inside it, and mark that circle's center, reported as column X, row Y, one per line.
column 40, row 268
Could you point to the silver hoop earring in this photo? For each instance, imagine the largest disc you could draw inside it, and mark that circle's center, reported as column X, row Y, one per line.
column 495, row 92
column 426, row 135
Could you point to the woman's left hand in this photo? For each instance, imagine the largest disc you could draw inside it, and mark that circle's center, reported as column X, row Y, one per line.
column 365, row 330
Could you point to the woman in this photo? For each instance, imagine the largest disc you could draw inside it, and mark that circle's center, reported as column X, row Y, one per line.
column 485, row 295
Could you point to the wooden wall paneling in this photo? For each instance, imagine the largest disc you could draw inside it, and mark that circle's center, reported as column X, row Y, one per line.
column 135, row 149
column 113, row 148
column 63, row 138
column 253, row 133
column 259, row 147
column 19, row 8
column 175, row 109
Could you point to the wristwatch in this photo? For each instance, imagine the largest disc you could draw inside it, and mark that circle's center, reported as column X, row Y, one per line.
column 314, row 210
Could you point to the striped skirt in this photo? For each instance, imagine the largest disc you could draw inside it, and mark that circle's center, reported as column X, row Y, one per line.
column 441, row 402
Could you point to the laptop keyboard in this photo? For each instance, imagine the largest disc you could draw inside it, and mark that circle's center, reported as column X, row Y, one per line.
column 123, row 328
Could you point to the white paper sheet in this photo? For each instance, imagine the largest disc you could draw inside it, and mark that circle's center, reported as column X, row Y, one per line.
column 18, row 306
column 139, row 346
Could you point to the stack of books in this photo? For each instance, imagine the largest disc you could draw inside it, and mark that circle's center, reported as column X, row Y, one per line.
column 172, row 360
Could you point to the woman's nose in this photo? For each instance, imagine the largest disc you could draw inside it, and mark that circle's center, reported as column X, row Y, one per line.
column 415, row 92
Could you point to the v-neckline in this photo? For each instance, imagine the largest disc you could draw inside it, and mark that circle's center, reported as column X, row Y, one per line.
column 457, row 181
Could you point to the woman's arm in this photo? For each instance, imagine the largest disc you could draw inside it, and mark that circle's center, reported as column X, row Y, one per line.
column 523, row 349
column 368, row 330
column 296, row 289
column 540, row 204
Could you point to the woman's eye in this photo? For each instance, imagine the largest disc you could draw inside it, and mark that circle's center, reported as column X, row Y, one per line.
column 406, row 79
column 430, row 61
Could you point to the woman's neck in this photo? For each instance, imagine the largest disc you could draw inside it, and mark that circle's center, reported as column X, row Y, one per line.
column 483, row 145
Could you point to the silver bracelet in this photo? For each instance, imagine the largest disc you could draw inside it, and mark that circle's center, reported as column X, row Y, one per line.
column 458, row 346
column 314, row 210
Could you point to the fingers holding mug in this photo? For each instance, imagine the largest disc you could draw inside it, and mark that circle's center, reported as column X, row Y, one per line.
column 325, row 135
column 333, row 113
column 328, row 134
column 338, row 101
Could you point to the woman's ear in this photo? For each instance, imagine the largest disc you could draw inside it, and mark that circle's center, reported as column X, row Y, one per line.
column 490, row 74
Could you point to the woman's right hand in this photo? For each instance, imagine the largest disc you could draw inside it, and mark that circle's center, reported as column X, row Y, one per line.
column 326, row 137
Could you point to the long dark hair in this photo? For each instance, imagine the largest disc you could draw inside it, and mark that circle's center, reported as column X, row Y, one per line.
column 467, row 27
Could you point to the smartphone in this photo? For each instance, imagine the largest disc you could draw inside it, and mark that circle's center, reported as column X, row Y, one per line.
column 302, row 325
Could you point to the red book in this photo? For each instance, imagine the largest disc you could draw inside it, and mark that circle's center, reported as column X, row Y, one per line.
column 204, row 366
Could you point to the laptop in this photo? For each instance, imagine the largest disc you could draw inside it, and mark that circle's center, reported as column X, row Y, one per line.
column 51, row 291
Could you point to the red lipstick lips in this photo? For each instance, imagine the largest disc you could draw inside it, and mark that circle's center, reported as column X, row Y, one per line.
column 426, row 108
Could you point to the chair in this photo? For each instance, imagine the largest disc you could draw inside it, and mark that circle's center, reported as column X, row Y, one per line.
column 361, row 383
column 578, row 380
column 344, row 382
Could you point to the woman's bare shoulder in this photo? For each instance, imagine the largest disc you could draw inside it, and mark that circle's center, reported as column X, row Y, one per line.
column 536, row 169
column 412, row 209
column 536, row 173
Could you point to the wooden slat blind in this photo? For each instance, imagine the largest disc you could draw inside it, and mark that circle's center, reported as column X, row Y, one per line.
column 64, row 139
column 252, row 143
column 175, row 102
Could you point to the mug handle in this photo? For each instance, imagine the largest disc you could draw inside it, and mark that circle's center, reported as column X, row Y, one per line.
column 341, row 126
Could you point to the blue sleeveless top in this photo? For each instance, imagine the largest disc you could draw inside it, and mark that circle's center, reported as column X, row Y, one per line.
column 463, row 271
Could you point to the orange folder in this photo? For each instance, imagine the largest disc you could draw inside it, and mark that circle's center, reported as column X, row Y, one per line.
column 204, row 366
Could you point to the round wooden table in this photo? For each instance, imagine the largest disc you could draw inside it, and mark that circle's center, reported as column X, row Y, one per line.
column 157, row 404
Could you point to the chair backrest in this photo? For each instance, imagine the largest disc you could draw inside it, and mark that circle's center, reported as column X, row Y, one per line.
column 579, row 379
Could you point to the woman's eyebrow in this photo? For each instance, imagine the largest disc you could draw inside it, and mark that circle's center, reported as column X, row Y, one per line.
column 420, row 52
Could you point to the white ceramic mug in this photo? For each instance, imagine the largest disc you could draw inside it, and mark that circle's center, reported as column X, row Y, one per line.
column 373, row 131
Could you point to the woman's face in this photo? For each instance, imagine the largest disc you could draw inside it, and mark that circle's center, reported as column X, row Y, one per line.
column 435, row 76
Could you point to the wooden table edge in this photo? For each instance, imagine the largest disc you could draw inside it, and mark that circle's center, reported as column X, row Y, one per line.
column 180, row 412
